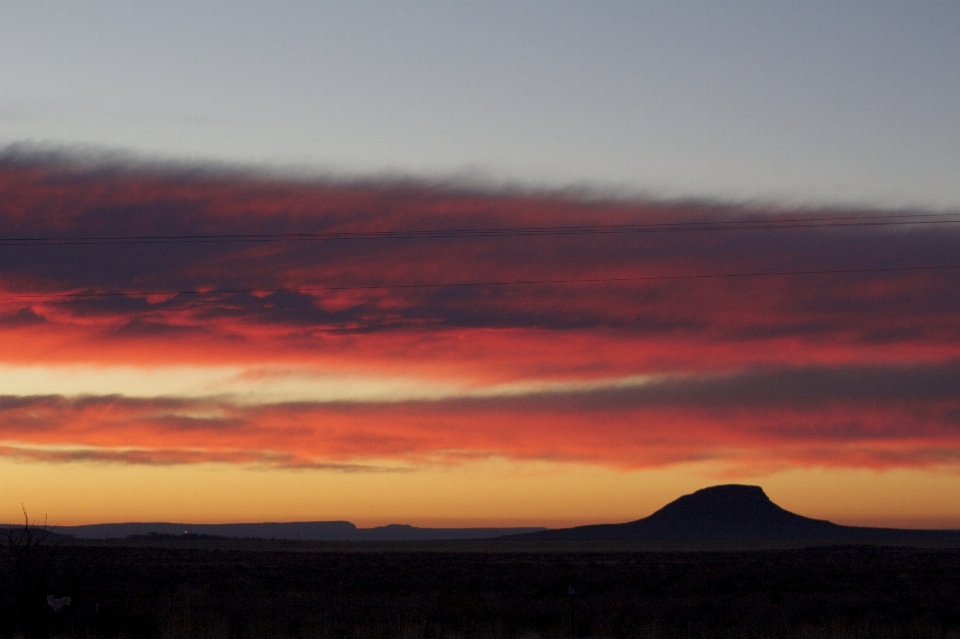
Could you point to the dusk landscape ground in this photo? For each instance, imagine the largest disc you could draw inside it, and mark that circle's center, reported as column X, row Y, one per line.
column 183, row 589
column 723, row 562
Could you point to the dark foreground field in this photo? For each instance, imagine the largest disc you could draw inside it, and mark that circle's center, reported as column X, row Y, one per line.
column 209, row 589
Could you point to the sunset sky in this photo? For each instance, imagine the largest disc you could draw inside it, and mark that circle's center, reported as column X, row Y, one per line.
column 518, row 263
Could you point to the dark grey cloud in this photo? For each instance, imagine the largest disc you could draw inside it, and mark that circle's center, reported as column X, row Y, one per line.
column 43, row 200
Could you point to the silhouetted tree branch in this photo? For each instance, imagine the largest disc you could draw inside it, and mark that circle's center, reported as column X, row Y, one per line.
column 24, row 571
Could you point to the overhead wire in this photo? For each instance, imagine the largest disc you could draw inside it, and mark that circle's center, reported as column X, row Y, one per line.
column 841, row 221
column 901, row 219
column 468, row 283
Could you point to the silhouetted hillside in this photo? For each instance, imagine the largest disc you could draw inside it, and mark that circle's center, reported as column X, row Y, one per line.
column 727, row 515
column 738, row 513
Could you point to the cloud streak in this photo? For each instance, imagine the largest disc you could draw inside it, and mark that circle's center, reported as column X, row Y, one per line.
column 873, row 417
column 857, row 367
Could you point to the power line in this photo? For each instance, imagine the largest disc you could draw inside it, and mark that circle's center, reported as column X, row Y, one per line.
column 429, row 285
column 904, row 219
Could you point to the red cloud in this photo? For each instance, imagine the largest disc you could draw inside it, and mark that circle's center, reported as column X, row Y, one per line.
column 868, row 417
column 519, row 306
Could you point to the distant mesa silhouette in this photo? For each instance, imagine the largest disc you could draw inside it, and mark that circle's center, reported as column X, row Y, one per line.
column 296, row 530
column 728, row 516
column 739, row 514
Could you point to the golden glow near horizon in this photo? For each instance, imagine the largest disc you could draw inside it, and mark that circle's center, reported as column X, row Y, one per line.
column 487, row 493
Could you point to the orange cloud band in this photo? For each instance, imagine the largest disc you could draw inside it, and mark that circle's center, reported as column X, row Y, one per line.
column 760, row 419
column 824, row 342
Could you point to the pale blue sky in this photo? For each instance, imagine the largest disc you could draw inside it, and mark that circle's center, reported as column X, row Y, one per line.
column 798, row 101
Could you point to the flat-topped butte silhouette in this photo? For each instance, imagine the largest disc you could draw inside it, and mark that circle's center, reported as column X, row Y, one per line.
column 731, row 516
column 738, row 513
